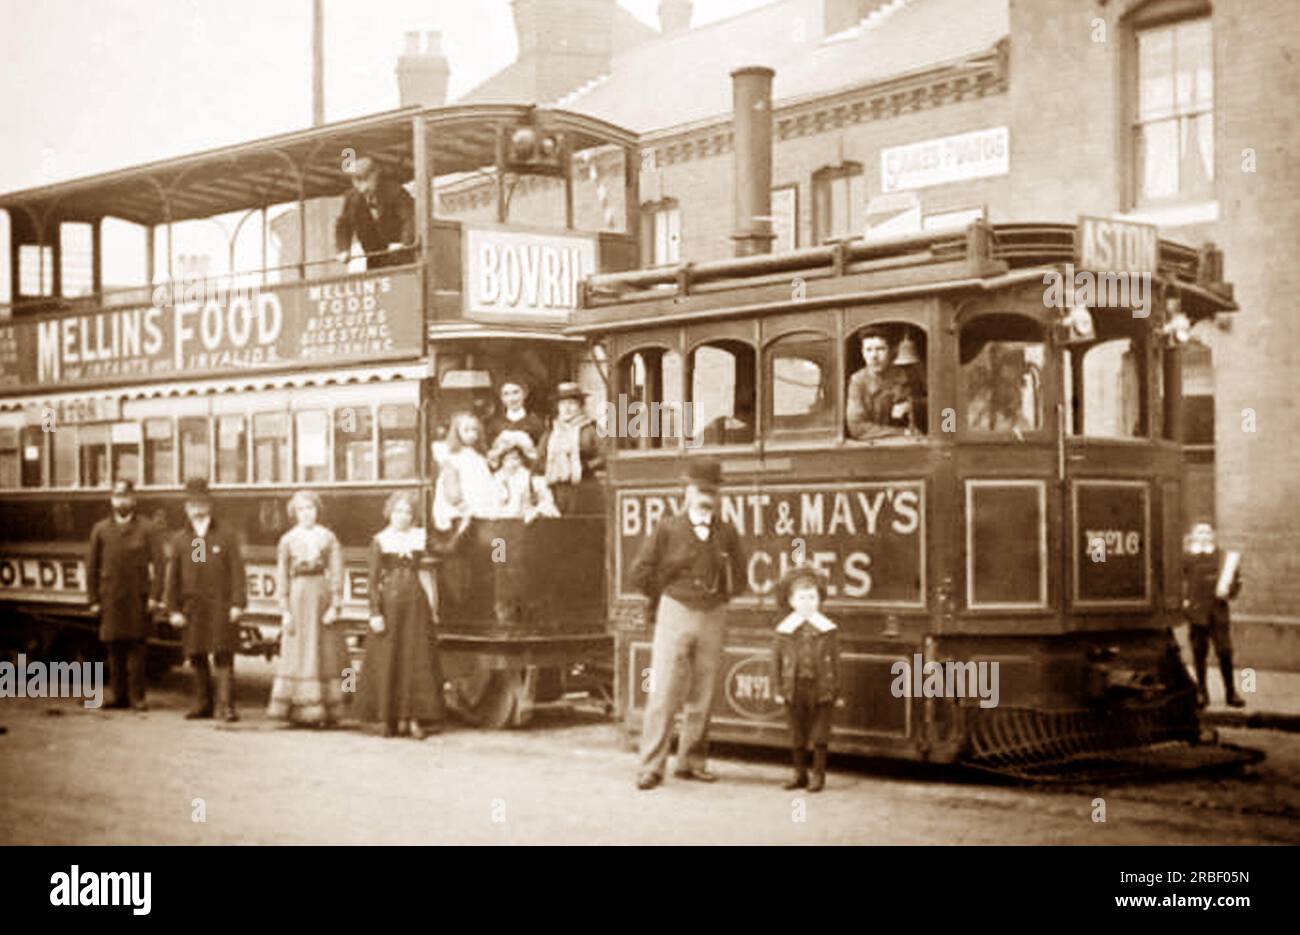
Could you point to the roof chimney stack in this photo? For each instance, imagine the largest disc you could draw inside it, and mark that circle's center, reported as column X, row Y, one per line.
column 423, row 72
column 752, row 128
column 674, row 16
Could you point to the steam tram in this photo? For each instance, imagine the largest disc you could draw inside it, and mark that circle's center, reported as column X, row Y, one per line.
column 307, row 372
column 1004, row 563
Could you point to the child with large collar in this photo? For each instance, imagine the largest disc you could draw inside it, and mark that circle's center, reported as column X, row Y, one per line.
column 806, row 658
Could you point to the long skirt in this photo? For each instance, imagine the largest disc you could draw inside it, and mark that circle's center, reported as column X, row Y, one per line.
column 401, row 678
column 308, row 686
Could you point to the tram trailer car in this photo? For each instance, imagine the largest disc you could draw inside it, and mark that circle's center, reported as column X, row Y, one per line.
column 1018, row 530
column 315, row 375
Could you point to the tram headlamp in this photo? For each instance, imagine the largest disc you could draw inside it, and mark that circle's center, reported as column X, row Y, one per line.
column 531, row 149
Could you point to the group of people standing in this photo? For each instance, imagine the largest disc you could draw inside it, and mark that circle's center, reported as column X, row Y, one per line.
column 516, row 467
column 197, row 576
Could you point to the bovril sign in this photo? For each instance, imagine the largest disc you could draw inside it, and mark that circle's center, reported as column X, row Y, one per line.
column 525, row 275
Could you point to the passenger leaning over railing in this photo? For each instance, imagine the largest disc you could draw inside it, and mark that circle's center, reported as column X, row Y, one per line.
column 466, row 489
column 380, row 214
column 521, row 493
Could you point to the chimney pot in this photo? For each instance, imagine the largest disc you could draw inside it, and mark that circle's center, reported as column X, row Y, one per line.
column 412, row 43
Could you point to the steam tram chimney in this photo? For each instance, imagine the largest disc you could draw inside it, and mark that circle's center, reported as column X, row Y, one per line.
column 752, row 105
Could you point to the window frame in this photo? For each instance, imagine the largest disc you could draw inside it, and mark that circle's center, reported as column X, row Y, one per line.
column 827, row 176
column 746, row 333
column 855, row 324
column 1144, row 17
column 1049, row 381
column 818, row 436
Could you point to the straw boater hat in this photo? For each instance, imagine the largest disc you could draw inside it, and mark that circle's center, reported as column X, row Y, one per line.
column 512, row 440
column 796, row 575
column 569, row 390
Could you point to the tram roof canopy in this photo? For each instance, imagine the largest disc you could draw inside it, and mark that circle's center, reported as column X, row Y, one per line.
column 299, row 164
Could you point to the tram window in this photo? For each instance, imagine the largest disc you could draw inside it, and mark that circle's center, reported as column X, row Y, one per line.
column 397, row 422
column 270, row 447
column 799, row 371
column 888, row 389
column 1106, row 389
column 65, row 456
column 32, row 454
column 649, row 412
column 196, row 454
column 1002, row 360
column 311, row 445
column 93, row 457
column 354, row 443
column 9, row 458
column 159, row 452
column 125, row 438
column 721, row 385
column 232, row 450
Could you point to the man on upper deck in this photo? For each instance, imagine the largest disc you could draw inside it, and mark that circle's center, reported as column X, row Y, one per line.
column 380, row 214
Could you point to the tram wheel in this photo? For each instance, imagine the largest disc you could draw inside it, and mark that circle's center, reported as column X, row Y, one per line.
column 494, row 698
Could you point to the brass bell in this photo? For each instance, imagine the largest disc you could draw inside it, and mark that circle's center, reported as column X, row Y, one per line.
column 907, row 354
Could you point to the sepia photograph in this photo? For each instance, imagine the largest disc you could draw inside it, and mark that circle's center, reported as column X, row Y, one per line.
column 650, row 422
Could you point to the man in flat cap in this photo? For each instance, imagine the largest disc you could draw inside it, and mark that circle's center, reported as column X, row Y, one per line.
column 124, row 577
column 380, row 214
column 206, row 594
column 689, row 568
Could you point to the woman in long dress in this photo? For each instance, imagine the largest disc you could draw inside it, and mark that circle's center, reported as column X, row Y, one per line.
column 401, row 679
column 308, row 685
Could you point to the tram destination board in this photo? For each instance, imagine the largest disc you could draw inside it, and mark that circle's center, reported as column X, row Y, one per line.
column 867, row 537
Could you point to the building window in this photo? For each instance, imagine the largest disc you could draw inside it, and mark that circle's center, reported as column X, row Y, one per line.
column 270, row 447
column 839, row 202
column 196, row 450
column 354, row 443
column 1173, row 135
column 232, row 450
column 159, row 452
column 663, row 232
column 397, row 423
column 311, row 448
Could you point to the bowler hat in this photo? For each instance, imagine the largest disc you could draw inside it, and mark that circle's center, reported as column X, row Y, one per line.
column 569, row 390
column 796, row 575
column 705, row 474
column 196, row 488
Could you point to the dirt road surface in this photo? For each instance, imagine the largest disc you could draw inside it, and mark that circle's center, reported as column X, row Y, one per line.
column 76, row 776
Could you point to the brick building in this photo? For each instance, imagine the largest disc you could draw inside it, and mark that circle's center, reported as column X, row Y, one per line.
column 1164, row 111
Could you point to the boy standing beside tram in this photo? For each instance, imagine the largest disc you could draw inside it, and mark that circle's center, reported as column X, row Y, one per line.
column 806, row 660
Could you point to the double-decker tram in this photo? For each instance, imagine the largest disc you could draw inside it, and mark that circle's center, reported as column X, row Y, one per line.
column 983, row 460
column 301, row 366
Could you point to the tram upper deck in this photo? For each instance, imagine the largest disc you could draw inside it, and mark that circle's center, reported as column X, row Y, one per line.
column 274, row 365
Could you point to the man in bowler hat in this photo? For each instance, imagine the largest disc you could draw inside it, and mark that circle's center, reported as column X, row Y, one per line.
column 124, row 577
column 689, row 568
column 206, row 593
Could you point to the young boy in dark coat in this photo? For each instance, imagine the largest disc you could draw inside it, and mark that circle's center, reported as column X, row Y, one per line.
column 806, row 659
